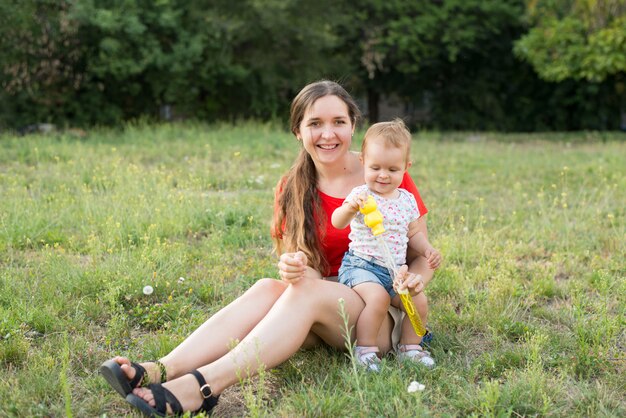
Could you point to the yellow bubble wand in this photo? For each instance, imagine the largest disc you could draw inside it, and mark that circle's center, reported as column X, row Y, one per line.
column 373, row 218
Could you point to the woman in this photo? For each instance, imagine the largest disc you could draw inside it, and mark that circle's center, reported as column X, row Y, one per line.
column 274, row 319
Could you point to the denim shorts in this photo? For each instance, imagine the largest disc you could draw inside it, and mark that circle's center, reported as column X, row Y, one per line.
column 355, row 270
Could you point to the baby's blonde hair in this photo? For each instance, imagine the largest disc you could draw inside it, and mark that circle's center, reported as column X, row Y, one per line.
column 393, row 133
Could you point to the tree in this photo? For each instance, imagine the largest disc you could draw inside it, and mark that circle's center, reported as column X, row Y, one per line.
column 282, row 45
column 38, row 60
column 454, row 55
column 580, row 40
column 102, row 62
column 143, row 55
column 106, row 61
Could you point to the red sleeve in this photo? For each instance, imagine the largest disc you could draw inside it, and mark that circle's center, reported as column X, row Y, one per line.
column 409, row 185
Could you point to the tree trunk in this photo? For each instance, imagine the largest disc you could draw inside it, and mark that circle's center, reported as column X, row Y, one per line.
column 620, row 89
column 372, row 105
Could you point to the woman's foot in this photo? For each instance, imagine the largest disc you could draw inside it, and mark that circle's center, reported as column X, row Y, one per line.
column 427, row 338
column 124, row 375
column 187, row 393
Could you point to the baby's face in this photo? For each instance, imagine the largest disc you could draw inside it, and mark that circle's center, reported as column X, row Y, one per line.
column 384, row 168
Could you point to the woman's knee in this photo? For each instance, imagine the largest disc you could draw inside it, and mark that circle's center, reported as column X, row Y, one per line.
column 268, row 287
column 419, row 265
column 421, row 298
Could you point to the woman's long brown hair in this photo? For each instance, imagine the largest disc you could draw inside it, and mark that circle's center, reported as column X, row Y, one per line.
column 298, row 223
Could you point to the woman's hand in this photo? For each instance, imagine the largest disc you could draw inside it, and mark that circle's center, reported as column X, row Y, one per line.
column 292, row 266
column 433, row 257
column 407, row 280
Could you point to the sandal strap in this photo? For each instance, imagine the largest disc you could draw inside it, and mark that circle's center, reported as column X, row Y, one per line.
column 142, row 378
column 209, row 400
column 162, row 397
column 405, row 348
column 409, row 347
column 366, row 349
column 162, row 370
column 140, row 372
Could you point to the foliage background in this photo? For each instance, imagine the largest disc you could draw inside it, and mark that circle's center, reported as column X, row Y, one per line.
column 458, row 64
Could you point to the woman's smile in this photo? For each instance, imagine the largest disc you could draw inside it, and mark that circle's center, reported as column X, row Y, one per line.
column 327, row 146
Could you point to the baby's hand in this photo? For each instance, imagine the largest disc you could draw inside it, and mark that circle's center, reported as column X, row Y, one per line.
column 362, row 199
column 406, row 280
column 358, row 201
column 433, row 256
column 291, row 266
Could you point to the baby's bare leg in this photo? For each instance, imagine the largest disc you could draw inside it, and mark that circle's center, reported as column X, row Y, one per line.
column 376, row 301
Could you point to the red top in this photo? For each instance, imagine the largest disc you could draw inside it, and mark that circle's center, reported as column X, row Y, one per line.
column 335, row 243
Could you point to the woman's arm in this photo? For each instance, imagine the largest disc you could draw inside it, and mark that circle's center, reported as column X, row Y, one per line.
column 417, row 238
column 422, row 246
column 417, row 263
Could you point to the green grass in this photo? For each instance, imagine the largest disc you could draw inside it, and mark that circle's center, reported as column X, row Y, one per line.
column 528, row 309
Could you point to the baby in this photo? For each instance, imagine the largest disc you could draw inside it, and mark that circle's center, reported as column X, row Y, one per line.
column 385, row 157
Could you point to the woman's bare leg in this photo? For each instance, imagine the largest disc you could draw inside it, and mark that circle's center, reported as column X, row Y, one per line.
column 214, row 338
column 310, row 305
column 226, row 328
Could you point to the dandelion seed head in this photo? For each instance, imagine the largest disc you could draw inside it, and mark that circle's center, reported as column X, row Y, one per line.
column 415, row 387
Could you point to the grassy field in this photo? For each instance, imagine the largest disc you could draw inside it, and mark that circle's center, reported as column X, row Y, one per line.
column 528, row 309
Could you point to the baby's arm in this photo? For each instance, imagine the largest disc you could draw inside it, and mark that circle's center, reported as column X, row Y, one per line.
column 343, row 215
column 419, row 242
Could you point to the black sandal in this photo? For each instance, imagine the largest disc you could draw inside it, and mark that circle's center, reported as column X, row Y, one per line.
column 115, row 376
column 162, row 397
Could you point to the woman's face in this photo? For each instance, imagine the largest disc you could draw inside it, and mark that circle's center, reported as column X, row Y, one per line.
column 326, row 129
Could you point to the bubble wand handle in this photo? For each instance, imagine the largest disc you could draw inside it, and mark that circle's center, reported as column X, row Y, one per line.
column 373, row 218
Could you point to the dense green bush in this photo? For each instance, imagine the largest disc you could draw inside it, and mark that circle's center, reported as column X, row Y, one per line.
column 91, row 62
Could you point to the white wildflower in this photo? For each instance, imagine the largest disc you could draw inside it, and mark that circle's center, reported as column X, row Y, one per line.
column 415, row 387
